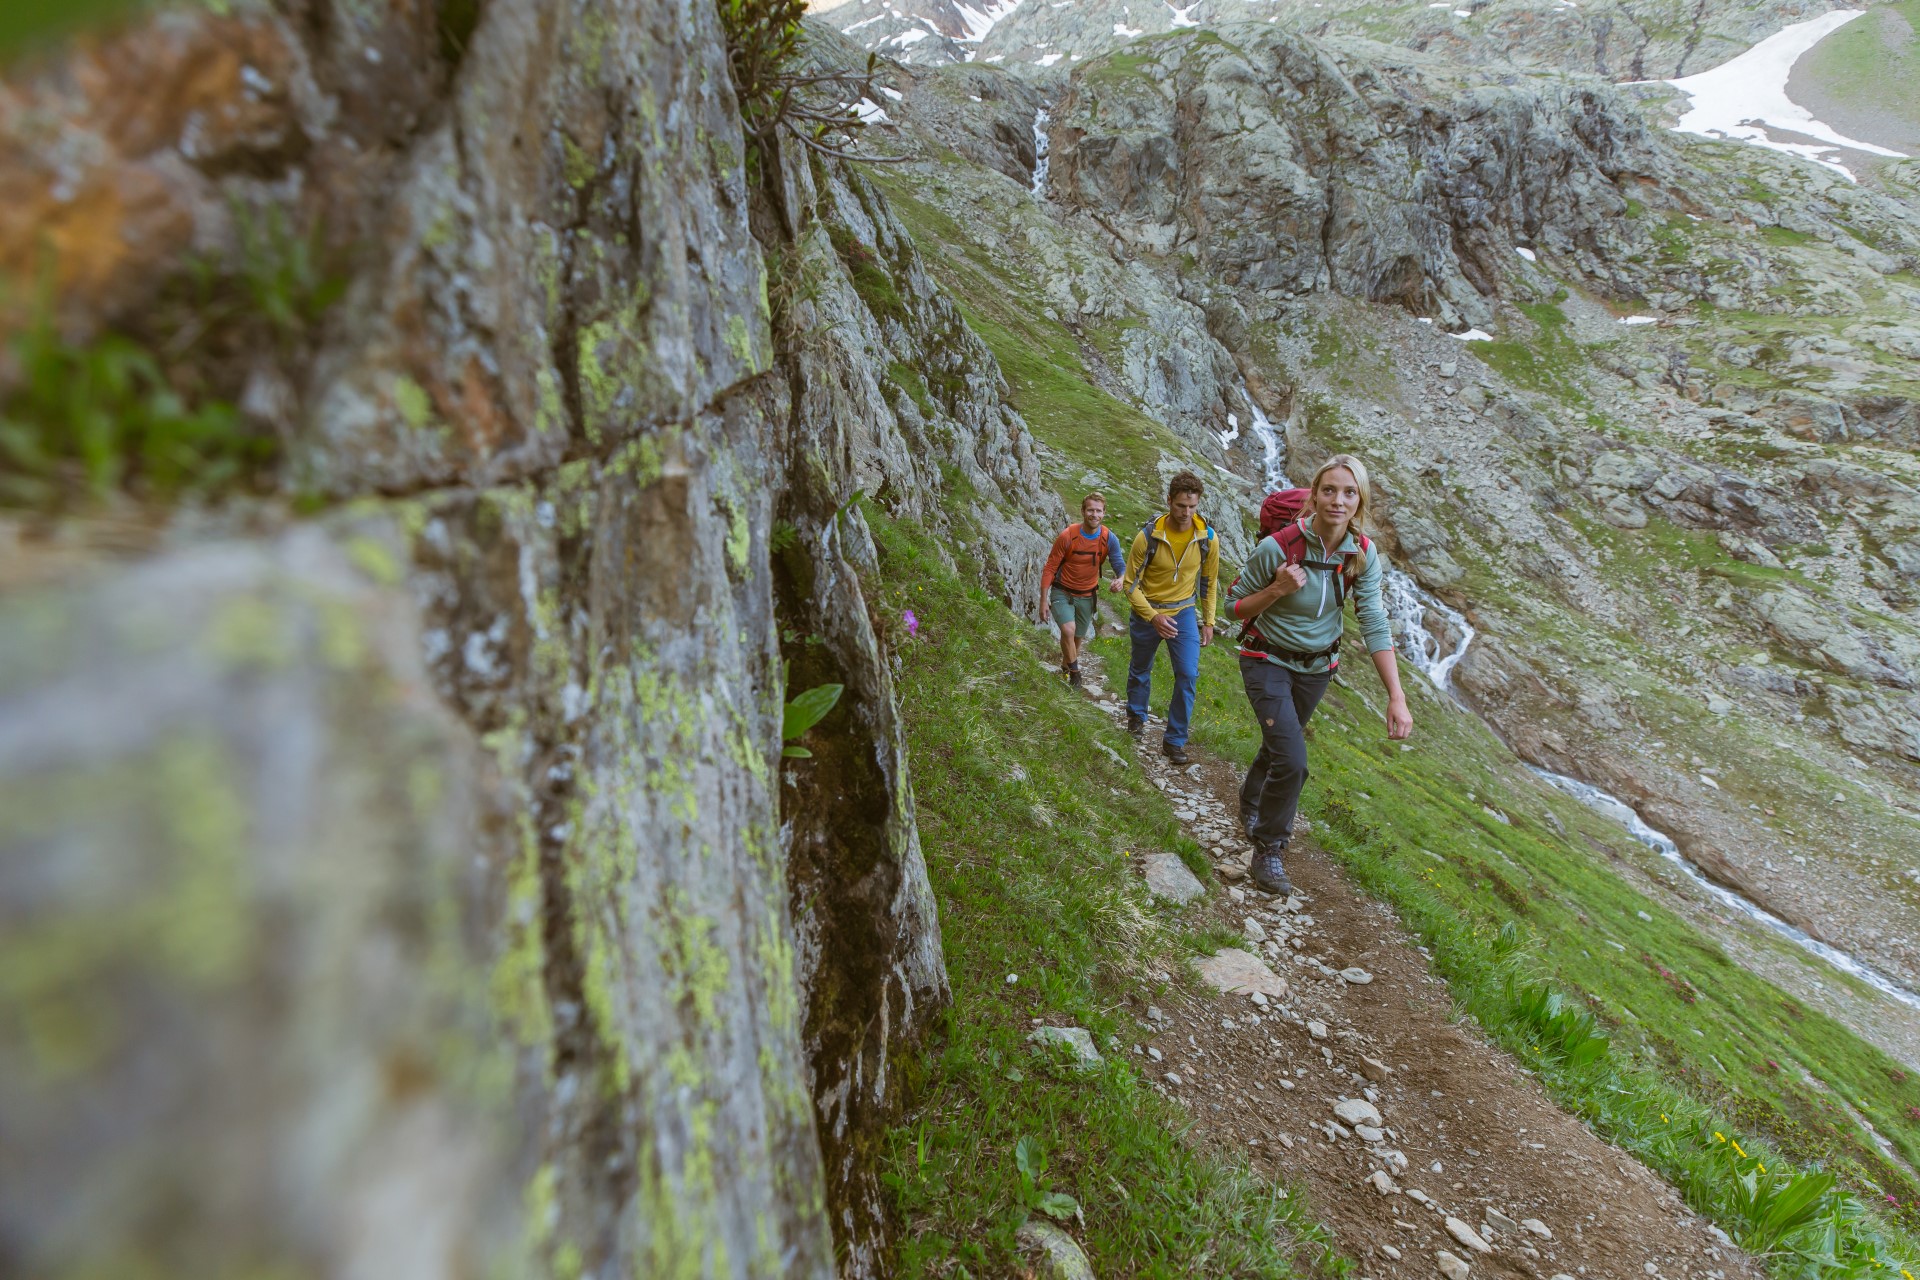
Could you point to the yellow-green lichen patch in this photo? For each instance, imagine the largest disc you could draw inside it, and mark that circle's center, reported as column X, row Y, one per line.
column 739, row 540
column 248, row 631
column 579, row 165
column 517, row 986
column 697, row 970
column 205, row 927
column 342, row 644
column 374, row 558
column 413, row 403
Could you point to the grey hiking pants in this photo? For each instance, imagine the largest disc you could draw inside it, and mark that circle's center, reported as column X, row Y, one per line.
column 1283, row 700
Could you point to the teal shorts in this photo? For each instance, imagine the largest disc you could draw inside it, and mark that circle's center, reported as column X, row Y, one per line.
column 1078, row 610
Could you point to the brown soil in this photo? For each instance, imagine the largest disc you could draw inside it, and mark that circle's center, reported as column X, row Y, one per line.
column 1258, row 1081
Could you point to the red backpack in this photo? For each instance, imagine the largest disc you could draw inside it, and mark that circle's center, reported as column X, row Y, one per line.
column 1281, row 519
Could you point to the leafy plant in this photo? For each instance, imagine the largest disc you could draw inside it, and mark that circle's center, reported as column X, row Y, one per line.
column 1557, row 1029
column 103, row 416
column 1030, row 1163
column 805, row 711
column 815, row 108
column 1775, row 1205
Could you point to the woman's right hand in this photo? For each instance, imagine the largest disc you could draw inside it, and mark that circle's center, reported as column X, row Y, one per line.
column 1288, row 578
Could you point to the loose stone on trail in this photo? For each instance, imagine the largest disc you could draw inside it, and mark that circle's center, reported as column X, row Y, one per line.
column 1232, row 971
column 1061, row 1257
column 1356, row 1111
column 1375, row 1070
column 1450, row 1266
column 1168, row 879
column 1467, row 1236
column 1356, row 975
column 1077, row 1040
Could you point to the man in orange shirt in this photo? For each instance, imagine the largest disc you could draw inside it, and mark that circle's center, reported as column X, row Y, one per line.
column 1070, row 582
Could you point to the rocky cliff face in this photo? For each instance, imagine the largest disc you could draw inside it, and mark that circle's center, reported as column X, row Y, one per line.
column 420, row 887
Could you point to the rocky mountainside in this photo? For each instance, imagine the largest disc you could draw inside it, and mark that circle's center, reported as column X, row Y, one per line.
column 1673, row 487
column 403, row 872
column 1638, row 40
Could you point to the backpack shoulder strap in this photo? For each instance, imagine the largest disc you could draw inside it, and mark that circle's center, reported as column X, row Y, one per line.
column 1292, row 541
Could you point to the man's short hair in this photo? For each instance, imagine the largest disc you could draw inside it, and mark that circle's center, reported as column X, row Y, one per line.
column 1185, row 482
column 1092, row 497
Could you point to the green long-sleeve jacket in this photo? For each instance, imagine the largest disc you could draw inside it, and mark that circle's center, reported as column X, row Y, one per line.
column 1309, row 620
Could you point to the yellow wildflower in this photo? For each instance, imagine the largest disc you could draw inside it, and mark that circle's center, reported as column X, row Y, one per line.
column 1736, row 1147
column 1719, row 1136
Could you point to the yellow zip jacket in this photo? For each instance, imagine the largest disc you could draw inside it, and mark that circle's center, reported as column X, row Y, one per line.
column 1171, row 580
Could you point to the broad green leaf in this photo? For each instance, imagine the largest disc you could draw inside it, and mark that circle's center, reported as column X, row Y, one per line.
column 808, row 709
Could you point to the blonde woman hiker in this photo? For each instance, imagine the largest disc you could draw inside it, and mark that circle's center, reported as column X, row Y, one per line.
column 1172, row 578
column 1290, row 646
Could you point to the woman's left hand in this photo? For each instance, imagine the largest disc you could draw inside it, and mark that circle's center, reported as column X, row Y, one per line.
column 1399, row 719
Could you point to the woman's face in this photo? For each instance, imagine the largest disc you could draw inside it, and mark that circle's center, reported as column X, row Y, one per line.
column 1336, row 496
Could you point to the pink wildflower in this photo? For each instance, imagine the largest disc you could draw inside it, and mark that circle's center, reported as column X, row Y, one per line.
column 913, row 623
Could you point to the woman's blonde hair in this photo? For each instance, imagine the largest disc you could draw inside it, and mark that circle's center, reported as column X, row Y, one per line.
column 1359, row 470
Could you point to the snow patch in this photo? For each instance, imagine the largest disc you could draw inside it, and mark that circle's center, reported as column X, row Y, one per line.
column 1639, row 320
column 871, row 112
column 1473, row 335
column 906, row 38
column 1525, row 252
column 1742, row 99
column 895, row 94
column 1049, row 59
column 980, row 21
column 1121, row 29
column 864, row 22
column 1180, row 18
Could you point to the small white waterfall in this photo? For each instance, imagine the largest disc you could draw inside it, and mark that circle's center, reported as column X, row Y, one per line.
column 1662, row 844
column 1273, row 450
column 1041, row 144
column 1408, row 606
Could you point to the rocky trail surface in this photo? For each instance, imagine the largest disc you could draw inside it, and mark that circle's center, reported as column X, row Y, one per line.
column 1332, row 1059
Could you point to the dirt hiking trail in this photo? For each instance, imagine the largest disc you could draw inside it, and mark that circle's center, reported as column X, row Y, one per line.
column 1423, row 1148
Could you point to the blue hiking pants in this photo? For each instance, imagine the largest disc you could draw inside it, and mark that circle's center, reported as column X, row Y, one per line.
column 1184, row 650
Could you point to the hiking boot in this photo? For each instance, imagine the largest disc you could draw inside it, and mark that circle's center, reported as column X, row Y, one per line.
column 1174, row 751
column 1073, row 676
column 1249, row 818
column 1136, row 725
column 1269, row 875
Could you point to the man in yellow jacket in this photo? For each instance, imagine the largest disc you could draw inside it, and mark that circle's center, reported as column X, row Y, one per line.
column 1172, row 578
